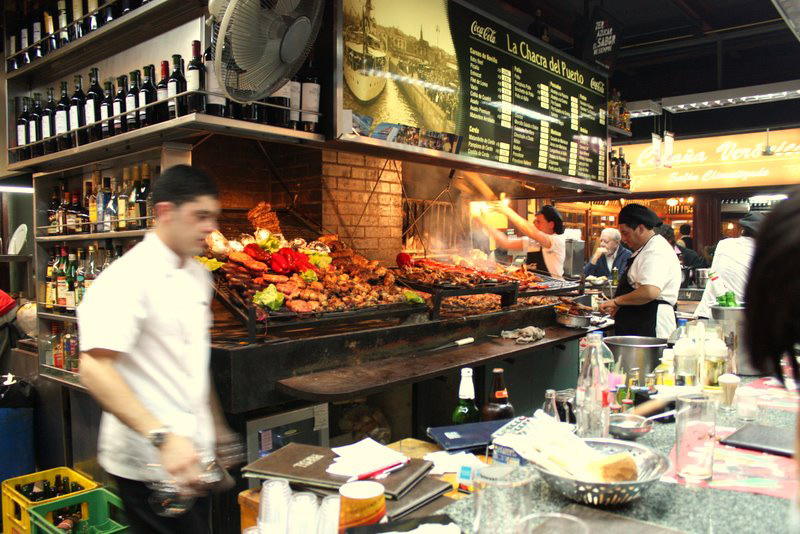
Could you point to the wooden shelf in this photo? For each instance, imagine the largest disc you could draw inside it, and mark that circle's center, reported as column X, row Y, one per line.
column 141, row 24
column 181, row 129
column 91, row 237
column 10, row 258
column 56, row 316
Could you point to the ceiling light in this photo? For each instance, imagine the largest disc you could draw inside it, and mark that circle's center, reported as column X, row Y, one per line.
column 690, row 200
column 740, row 96
column 16, row 189
column 730, row 226
column 672, row 202
column 763, row 199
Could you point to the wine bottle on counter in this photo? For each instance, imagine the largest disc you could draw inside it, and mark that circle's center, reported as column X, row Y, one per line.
column 35, row 126
column 132, row 100
column 310, row 97
column 77, row 111
column 22, row 131
column 281, row 97
column 120, row 123
column 62, row 120
column 215, row 104
column 77, row 29
column 147, row 95
column 466, row 411
column 49, row 123
column 94, row 98
column 196, row 80
column 162, row 93
column 63, row 23
column 107, row 110
column 175, row 85
column 295, row 97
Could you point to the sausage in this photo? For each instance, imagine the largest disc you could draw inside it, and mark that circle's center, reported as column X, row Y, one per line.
column 230, row 267
column 274, row 278
column 240, row 257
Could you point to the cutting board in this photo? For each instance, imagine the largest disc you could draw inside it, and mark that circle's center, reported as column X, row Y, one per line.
column 601, row 522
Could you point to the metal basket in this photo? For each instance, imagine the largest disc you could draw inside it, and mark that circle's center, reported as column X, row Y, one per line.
column 651, row 467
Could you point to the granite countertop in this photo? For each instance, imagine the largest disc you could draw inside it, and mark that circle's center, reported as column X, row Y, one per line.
column 689, row 509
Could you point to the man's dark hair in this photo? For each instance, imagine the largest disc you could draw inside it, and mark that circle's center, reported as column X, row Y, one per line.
column 686, row 229
column 666, row 231
column 772, row 297
column 182, row 183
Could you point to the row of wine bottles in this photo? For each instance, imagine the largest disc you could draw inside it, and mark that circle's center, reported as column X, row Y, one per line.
column 102, row 112
column 57, row 24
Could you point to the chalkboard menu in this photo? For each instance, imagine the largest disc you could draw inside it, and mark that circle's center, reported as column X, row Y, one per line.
column 440, row 74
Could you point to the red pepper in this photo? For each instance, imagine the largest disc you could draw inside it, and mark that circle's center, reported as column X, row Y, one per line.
column 404, row 260
column 256, row 252
column 280, row 264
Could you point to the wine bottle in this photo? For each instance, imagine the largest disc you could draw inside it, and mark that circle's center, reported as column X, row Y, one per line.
column 124, row 7
column 295, row 96
column 132, row 100
column 147, row 95
column 94, row 20
column 25, row 56
column 281, row 97
column 77, row 29
column 176, row 85
column 35, row 126
column 49, row 123
column 122, row 191
column 63, row 22
column 132, row 188
column 62, row 120
column 77, row 113
column 109, row 13
column 38, row 51
column 107, row 110
column 120, row 124
column 215, row 104
column 51, row 40
column 310, row 98
column 196, row 81
column 22, row 131
column 13, row 63
column 94, row 97
column 162, row 93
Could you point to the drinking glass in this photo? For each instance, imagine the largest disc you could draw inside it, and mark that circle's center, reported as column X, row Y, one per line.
column 551, row 524
column 695, row 437
column 273, row 514
column 503, row 494
column 303, row 509
column 728, row 383
column 747, row 404
column 328, row 518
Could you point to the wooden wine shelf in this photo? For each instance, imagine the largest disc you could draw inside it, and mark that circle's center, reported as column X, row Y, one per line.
column 57, row 316
column 149, row 20
column 91, row 237
column 181, row 129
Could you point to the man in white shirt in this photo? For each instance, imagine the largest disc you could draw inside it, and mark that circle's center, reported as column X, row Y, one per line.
column 732, row 259
column 608, row 255
column 144, row 327
column 648, row 290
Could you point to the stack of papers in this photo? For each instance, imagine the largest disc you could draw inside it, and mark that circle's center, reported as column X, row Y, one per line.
column 445, row 462
column 366, row 456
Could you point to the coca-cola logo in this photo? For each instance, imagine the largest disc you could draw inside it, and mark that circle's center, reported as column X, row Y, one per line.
column 487, row 33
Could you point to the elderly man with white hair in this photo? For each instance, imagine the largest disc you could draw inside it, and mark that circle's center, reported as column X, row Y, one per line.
column 608, row 255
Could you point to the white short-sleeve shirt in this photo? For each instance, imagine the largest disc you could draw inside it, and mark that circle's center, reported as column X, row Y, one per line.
column 732, row 260
column 157, row 314
column 656, row 264
column 553, row 255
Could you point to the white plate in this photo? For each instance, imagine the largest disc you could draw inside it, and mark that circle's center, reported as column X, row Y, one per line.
column 18, row 239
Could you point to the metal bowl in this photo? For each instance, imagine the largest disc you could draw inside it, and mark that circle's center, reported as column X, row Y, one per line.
column 574, row 321
column 629, row 426
column 651, row 466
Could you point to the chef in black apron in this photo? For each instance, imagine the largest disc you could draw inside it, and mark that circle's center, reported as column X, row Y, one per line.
column 643, row 304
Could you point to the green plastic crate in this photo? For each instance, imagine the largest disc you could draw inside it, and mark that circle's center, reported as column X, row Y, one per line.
column 101, row 508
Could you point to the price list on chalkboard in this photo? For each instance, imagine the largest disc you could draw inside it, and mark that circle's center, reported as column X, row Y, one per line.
column 525, row 104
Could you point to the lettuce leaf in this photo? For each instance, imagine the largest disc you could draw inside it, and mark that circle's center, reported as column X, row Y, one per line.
column 309, row 276
column 411, row 296
column 271, row 244
column 321, row 261
column 269, row 298
column 209, row 263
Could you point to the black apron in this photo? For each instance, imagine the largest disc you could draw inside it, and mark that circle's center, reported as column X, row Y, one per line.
column 537, row 258
column 638, row 320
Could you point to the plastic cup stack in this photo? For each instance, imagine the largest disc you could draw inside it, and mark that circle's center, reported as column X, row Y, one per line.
column 273, row 513
column 328, row 519
column 303, row 509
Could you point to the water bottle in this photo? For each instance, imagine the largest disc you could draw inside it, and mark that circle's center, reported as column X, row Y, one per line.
column 592, row 395
column 549, row 406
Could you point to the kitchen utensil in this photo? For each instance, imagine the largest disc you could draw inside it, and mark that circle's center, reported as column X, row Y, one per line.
column 651, row 466
column 574, row 321
column 18, row 239
column 732, row 322
column 701, row 277
column 639, row 352
column 628, row 426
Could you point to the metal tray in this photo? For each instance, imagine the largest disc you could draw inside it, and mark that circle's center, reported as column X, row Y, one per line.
column 555, row 286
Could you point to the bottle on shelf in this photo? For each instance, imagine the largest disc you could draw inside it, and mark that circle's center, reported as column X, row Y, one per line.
column 63, row 214
column 80, row 278
column 47, row 345
column 53, row 227
column 107, row 110
column 143, row 199
column 63, row 23
column 48, row 123
column 120, row 122
column 91, row 201
column 58, row 346
column 77, row 111
column 38, row 50
column 35, row 126
column 162, row 93
column 51, row 39
column 50, row 281
column 295, row 101
column 69, row 279
column 91, row 112
column 309, row 117
column 498, row 405
column 110, row 215
column 90, row 273
column 125, row 7
column 77, row 27
column 215, row 104
column 76, row 210
column 94, row 20
column 196, row 81
column 121, row 191
column 108, row 14
column 103, row 196
column 62, row 120
column 592, row 395
column 176, row 85
column 132, row 208
column 25, row 56
column 279, row 116
column 132, row 101
column 61, row 280
column 13, row 62
column 466, row 411
column 70, row 350
column 147, row 95
column 22, row 131
column 106, row 255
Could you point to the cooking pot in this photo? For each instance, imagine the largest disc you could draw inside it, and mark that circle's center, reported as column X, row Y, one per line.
column 701, row 277
column 637, row 351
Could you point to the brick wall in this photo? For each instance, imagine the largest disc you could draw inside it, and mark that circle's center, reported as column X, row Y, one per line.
column 371, row 222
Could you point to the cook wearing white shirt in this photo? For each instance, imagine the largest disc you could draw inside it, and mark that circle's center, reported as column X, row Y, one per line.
column 144, row 327
column 648, row 289
column 732, row 259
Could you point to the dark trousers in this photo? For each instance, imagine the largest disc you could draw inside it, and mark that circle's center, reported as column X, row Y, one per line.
column 143, row 520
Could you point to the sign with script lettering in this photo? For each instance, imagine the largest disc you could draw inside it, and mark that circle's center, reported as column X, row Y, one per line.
column 718, row 163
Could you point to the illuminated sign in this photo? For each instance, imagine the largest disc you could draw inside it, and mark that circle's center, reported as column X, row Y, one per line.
column 719, row 162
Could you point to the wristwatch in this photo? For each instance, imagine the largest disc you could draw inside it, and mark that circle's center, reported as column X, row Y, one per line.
column 158, row 436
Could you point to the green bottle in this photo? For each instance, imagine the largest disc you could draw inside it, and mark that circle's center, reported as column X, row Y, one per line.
column 466, row 411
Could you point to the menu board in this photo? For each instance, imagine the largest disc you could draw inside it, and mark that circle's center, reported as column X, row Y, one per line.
column 440, row 74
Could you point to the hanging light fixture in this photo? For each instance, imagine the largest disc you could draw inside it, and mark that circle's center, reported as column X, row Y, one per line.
column 672, row 202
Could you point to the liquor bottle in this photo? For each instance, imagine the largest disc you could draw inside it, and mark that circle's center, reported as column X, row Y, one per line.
column 176, row 85
column 132, row 100
column 38, row 49
column 77, row 28
column 50, row 281
column 77, row 111
column 25, row 56
column 94, row 98
column 78, row 226
column 13, row 62
column 215, row 104
column 498, row 406
column 310, row 97
column 120, row 123
column 121, row 192
column 80, row 278
column 91, row 201
column 63, row 31
column 124, row 7
column 110, row 216
column 109, row 13
column 61, row 280
column 23, row 139
column 90, row 274
column 93, row 21
column 106, row 256
column 68, row 341
column 196, row 81
column 162, row 93
column 52, row 213
column 466, row 411
column 58, row 346
column 107, row 110
column 132, row 213
column 51, row 39
column 591, row 396
column 281, row 97
column 63, row 214
column 143, row 197
column 147, row 95
column 35, row 126
column 62, row 120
